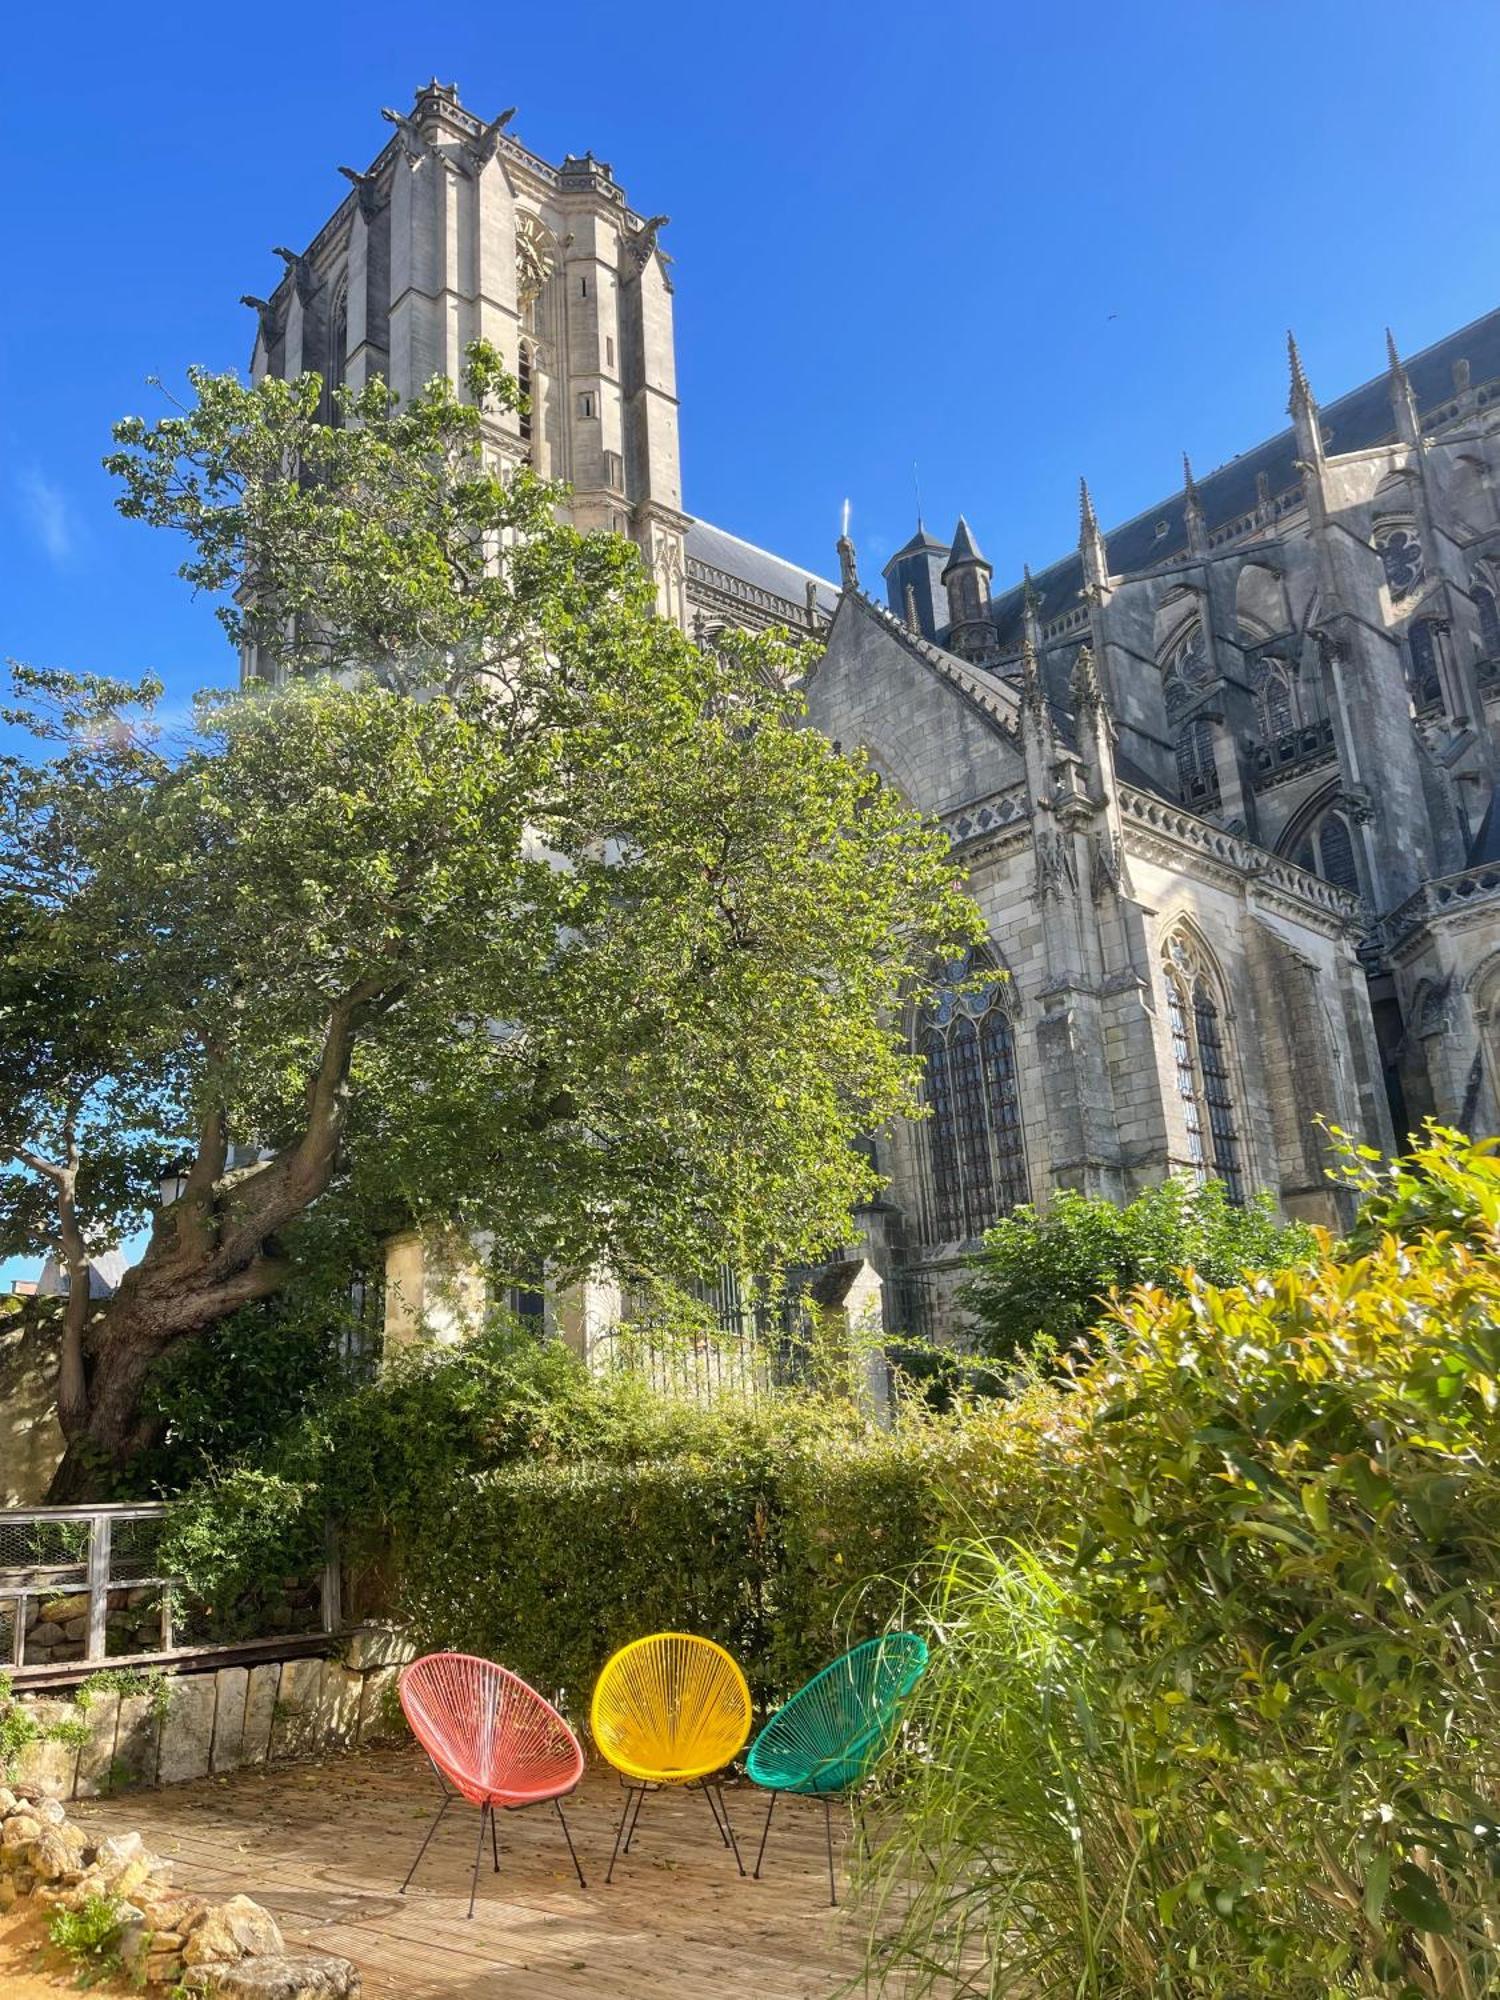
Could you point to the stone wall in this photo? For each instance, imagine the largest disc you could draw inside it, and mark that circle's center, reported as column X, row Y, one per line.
column 275, row 1711
column 31, row 1442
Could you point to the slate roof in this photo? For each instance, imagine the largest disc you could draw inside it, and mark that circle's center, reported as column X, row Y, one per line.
column 965, row 548
column 758, row 567
column 1354, row 422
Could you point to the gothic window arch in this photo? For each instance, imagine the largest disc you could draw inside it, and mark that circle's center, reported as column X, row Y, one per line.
column 1400, row 555
column 1327, row 848
column 338, row 350
column 976, row 1144
column 1184, row 667
column 1276, row 698
column 1202, row 1058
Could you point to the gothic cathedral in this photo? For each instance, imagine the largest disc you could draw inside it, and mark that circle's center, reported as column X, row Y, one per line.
column 1221, row 778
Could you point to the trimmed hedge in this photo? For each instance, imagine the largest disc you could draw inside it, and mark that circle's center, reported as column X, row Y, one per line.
column 785, row 1556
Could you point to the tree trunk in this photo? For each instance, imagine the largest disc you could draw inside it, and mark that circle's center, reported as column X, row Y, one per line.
column 208, row 1255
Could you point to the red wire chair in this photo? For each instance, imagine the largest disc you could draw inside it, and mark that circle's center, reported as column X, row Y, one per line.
column 493, row 1741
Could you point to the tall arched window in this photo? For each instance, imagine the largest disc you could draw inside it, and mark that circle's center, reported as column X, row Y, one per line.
column 1489, row 619
column 1327, row 849
column 1401, row 557
column 976, row 1146
column 1275, row 699
column 1197, row 771
column 524, row 382
column 1426, row 683
column 1205, row 1072
column 338, row 352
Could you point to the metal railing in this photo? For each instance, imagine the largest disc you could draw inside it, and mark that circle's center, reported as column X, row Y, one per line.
column 89, row 1586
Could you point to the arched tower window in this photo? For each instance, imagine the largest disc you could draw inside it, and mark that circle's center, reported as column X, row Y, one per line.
column 976, row 1146
column 338, row 352
column 525, row 379
column 1201, row 1058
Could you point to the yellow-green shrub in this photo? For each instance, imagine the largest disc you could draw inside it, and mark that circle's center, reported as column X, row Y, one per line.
column 1226, row 1722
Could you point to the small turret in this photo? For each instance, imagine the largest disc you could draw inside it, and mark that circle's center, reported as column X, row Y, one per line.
column 966, row 577
column 917, row 569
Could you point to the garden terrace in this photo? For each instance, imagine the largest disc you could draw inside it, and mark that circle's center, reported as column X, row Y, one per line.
column 324, row 1848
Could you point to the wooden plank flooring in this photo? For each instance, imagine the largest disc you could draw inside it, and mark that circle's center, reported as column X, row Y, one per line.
column 325, row 1846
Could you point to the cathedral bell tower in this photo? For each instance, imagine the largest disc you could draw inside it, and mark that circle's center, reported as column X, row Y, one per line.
column 456, row 232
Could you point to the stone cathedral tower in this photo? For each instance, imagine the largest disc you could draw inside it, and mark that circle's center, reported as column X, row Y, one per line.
column 456, row 233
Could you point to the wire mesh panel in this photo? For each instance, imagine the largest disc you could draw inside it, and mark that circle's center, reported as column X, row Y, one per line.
column 10, row 1615
column 135, row 1549
column 38, row 1550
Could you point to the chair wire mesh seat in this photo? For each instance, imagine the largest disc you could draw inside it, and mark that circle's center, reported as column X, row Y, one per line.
column 671, row 1709
column 493, row 1742
column 823, row 1742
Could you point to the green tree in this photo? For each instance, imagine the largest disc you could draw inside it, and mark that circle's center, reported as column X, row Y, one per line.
column 1050, row 1275
column 591, row 944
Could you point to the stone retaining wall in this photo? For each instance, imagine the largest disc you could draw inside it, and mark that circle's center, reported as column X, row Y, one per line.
column 277, row 1711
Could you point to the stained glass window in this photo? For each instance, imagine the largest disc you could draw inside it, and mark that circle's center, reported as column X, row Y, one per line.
column 1187, row 1082
column 1197, row 772
column 1336, row 854
column 523, row 383
column 976, row 1145
column 1489, row 618
column 1278, row 713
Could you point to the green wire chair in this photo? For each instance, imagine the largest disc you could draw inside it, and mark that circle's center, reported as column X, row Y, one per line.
column 823, row 1741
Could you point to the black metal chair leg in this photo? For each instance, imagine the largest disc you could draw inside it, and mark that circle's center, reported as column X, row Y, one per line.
column 764, row 1835
column 635, row 1820
column 494, row 1841
column 733, row 1843
column 708, row 1793
column 479, row 1850
column 833, row 1894
column 447, row 1801
column 571, row 1849
column 614, row 1857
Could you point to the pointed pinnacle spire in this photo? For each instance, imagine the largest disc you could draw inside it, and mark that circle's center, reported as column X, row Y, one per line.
column 1189, row 484
column 1033, row 694
column 1403, row 397
column 1088, row 520
column 1084, row 681
column 1192, row 510
column 1302, row 395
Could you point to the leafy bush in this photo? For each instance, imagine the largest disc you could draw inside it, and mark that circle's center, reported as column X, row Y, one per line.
column 1050, row 1275
column 1225, row 1720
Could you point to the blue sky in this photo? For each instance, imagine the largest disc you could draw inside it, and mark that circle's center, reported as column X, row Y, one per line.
column 1010, row 243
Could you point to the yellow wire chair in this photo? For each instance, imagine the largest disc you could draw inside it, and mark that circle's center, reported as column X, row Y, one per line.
column 671, row 1709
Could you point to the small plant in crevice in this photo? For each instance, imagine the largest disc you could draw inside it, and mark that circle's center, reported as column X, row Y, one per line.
column 90, row 1937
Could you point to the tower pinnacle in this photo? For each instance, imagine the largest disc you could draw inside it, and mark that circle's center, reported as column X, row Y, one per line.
column 1403, row 397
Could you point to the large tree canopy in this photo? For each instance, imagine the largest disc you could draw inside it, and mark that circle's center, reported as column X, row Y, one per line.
column 497, row 899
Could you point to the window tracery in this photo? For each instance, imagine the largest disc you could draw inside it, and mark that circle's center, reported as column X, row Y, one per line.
column 1401, row 557
column 976, row 1145
column 1202, row 1060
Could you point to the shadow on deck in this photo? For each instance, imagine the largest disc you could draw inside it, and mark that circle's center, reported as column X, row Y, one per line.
column 325, row 1847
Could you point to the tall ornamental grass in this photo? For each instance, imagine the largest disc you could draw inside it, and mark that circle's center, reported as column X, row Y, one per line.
column 1226, row 1721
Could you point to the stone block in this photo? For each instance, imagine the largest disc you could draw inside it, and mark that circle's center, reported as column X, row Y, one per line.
column 379, row 1715
column 232, row 1686
column 378, row 1646
column 298, row 1726
column 308, row 1975
column 137, row 1743
column 341, row 1700
column 237, row 1929
column 97, row 1756
column 260, row 1712
column 188, row 1732
column 44, row 1766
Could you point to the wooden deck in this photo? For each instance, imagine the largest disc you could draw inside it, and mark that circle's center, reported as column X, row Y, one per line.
column 325, row 1847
